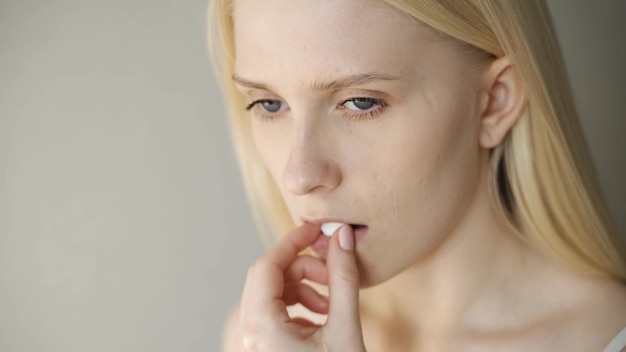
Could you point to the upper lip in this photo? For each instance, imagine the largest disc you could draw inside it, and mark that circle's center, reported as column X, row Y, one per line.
column 323, row 220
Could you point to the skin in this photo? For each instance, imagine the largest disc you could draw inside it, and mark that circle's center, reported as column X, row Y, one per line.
column 410, row 161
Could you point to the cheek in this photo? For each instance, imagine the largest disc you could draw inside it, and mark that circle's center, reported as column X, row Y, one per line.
column 271, row 140
column 428, row 171
column 425, row 149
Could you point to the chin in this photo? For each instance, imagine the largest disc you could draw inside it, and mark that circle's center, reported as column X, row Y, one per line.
column 371, row 275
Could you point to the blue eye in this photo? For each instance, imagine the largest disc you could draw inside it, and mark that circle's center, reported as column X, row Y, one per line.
column 268, row 105
column 362, row 108
column 361, row 103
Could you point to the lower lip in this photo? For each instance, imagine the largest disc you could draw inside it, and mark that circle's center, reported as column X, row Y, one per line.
column 321, row 245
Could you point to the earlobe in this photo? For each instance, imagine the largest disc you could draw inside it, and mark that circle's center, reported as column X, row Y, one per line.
column 506, row 101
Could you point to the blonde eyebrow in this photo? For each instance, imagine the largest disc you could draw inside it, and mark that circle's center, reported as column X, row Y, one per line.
column 351, row 81
column 344, row 82
column 249, row 84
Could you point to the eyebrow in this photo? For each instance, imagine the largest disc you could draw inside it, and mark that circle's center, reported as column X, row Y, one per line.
column 344, row 82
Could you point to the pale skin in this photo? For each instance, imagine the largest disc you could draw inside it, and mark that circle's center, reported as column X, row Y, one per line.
column 362, row 115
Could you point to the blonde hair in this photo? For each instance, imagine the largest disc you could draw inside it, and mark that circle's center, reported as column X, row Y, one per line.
column 542, row 179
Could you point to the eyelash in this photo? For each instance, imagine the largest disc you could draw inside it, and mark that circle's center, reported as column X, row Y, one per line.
column 380, row 106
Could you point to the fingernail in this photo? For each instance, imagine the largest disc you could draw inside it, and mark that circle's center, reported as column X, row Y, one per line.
column 346, row 238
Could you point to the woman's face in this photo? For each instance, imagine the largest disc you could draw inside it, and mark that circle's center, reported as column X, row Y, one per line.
column 362, row 116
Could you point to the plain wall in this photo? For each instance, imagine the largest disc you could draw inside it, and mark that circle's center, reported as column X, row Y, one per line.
column 123, row 224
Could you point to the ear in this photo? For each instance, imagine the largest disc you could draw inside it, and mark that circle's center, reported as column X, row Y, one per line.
column 504, row 101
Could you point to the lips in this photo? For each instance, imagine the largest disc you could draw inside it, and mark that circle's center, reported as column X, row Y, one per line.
column 322, row 243
column 324, row 220
column 329, row 228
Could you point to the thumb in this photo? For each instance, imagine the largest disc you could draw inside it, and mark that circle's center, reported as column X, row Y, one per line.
column 343, row 282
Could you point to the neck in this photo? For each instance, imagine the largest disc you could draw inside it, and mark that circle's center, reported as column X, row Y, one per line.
column 471, row 280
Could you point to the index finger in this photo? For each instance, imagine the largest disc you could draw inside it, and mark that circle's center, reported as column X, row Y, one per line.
column 287, row 249
column 269, row 271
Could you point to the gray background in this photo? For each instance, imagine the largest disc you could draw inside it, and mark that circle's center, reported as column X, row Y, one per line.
column 123, row 226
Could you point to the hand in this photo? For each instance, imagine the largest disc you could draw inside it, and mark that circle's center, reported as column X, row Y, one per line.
column 274, row 283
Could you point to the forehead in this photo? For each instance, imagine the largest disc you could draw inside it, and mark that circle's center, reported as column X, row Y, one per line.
column 324, row 36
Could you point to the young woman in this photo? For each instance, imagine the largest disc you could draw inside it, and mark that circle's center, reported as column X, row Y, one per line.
column 443, row 135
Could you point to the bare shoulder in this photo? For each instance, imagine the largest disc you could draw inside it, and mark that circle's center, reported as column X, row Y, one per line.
column 610, row 302
column 230, row 330
column 614, row 309
column 602, row 315
column 584, row 315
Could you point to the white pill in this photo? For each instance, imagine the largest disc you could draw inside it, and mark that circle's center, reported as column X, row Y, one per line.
column 330, row 227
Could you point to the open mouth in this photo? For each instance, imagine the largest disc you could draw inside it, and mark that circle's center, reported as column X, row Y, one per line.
column 359, row 232
column 322, row 243
column 329, row 228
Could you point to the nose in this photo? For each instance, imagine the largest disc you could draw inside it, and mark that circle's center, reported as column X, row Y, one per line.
column 312, row 164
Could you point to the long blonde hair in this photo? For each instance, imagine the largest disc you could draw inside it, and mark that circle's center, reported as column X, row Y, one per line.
column 542, row 179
